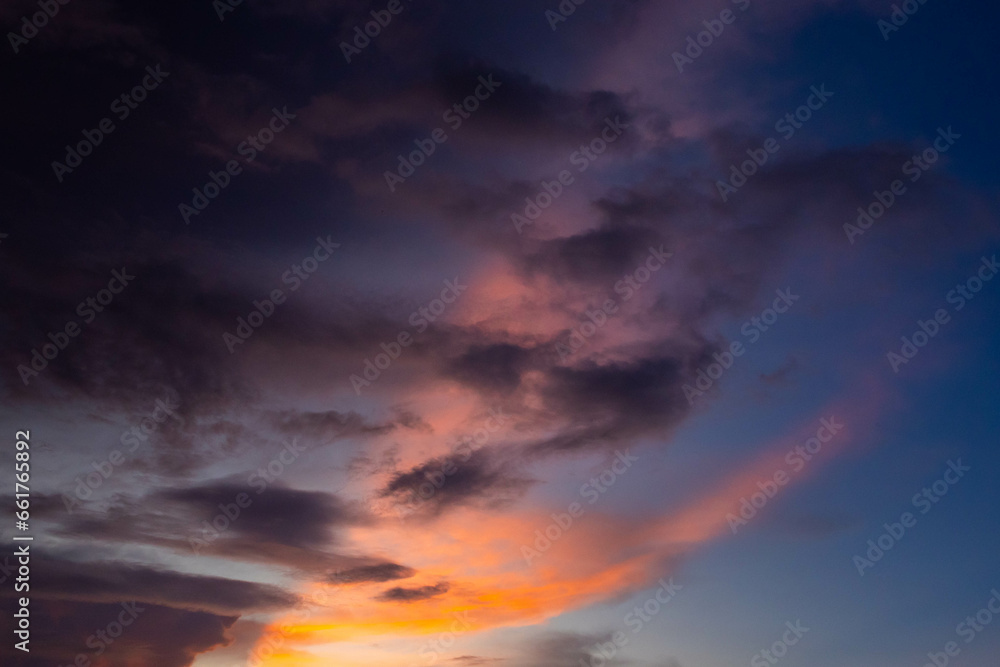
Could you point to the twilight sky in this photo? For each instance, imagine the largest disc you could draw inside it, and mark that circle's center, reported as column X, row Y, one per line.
column 513, row 334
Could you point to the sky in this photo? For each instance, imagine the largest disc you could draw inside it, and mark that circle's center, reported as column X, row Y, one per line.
column 516, row 334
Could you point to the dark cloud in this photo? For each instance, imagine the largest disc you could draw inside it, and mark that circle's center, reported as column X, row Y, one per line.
column 524, row 109
column 564, row 649
column 153, row 337
column 114, row 581
column 491, row 367
column 614, row 402
column 602, row 255
column 413, row 421
column 467, row 477
column 325, row 426
column 399, row 594
column 173, row 519
column 372, row 573
column 266, row 519
column 157, row 635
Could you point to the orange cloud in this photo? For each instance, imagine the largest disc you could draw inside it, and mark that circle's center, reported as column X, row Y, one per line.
column 597, row 558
